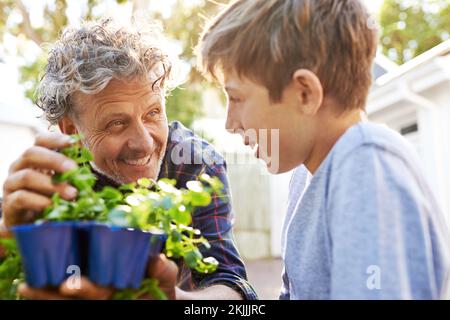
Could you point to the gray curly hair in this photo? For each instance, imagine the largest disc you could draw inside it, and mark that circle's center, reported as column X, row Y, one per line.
column 86, row 59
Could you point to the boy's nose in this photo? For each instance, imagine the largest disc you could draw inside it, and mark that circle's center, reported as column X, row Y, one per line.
column 232, row 125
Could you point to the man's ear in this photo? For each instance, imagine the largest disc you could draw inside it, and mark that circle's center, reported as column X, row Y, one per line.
column 309, row 91
column 67, row 126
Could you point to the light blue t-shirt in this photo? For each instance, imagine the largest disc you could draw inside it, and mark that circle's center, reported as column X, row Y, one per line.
column 366, row 225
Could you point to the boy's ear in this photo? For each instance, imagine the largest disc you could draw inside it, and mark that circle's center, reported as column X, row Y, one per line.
column 67, row 126
column 309, row 91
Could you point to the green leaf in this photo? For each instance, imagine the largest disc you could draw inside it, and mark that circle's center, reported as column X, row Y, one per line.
column 118, row 216
column 148, row 287
column 11, row 270
column 215, row 183
column 127, row 187
column 85, row 156
column 200, row 199
column 167, row 185
column 111, row 195
column 57, row 213
column 208, row 265
column 195, row 186
column 165, row 203
column 145, row 183
column 192, row 258
column 181, row 217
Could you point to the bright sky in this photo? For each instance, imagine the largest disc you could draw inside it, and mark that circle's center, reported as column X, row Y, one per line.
column 373, row 5
column 12, row 92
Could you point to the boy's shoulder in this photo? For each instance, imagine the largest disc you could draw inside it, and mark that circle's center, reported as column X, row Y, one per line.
column 368, row 139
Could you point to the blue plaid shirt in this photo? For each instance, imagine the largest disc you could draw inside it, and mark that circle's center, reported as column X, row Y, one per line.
column 187, row 157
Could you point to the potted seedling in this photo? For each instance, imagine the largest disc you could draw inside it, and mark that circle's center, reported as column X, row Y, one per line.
column 110, row 234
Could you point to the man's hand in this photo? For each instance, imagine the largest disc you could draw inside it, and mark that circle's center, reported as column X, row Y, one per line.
column 166, row 272
column 28, row 187
column 160, row 268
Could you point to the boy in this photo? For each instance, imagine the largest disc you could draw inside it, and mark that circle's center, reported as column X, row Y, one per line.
column 363, row 222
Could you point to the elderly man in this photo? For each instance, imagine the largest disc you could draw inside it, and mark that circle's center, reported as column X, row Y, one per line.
column 108, row 83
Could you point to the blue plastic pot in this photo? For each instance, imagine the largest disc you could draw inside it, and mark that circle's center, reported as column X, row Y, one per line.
column 109, row 256
column 118, row 257
column 47, row 251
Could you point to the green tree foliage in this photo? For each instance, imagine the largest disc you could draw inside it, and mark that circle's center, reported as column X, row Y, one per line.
column 184, row 103
column 411, row 27
column 183, row 25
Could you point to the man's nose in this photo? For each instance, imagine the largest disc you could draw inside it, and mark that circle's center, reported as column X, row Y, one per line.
column 141, row 140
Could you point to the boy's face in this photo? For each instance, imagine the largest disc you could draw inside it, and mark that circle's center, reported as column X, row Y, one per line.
column 283, row 132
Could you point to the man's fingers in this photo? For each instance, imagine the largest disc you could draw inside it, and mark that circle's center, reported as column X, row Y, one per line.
column 23, row 200
column 166, row 272
column 85, row 290
column 38, row 294
column 161, row 267
column 28, row 188
column 43, row 158
column 32, row 180
column 53, row 140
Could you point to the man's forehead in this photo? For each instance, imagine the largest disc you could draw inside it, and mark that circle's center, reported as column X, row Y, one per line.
column 119, row 91
column 150, row 80
column 157, row 72
column 138, row 85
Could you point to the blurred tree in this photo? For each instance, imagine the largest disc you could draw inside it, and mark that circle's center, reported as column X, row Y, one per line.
column 411, row 27
column 54, row 20
column 183, row 24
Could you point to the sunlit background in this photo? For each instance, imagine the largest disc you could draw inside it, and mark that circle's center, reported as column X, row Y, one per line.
column 410, row 93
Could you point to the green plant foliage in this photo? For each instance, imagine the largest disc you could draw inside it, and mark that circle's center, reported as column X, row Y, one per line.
column 11, row 273
column 148, row 287
column 144, row 205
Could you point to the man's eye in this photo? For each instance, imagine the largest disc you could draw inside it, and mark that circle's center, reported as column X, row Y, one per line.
column 154, row 113
column 116, row 123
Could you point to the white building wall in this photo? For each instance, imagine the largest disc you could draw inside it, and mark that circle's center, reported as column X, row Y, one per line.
column 421, row 96
column 259, row 202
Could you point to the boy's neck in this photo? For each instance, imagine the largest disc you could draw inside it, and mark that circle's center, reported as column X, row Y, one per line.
column 331, row 128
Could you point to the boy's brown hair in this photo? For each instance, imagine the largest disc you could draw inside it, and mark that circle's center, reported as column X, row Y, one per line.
column 267, row 40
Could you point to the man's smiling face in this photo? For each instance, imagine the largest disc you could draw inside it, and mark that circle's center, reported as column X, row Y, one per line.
column 125, row 127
